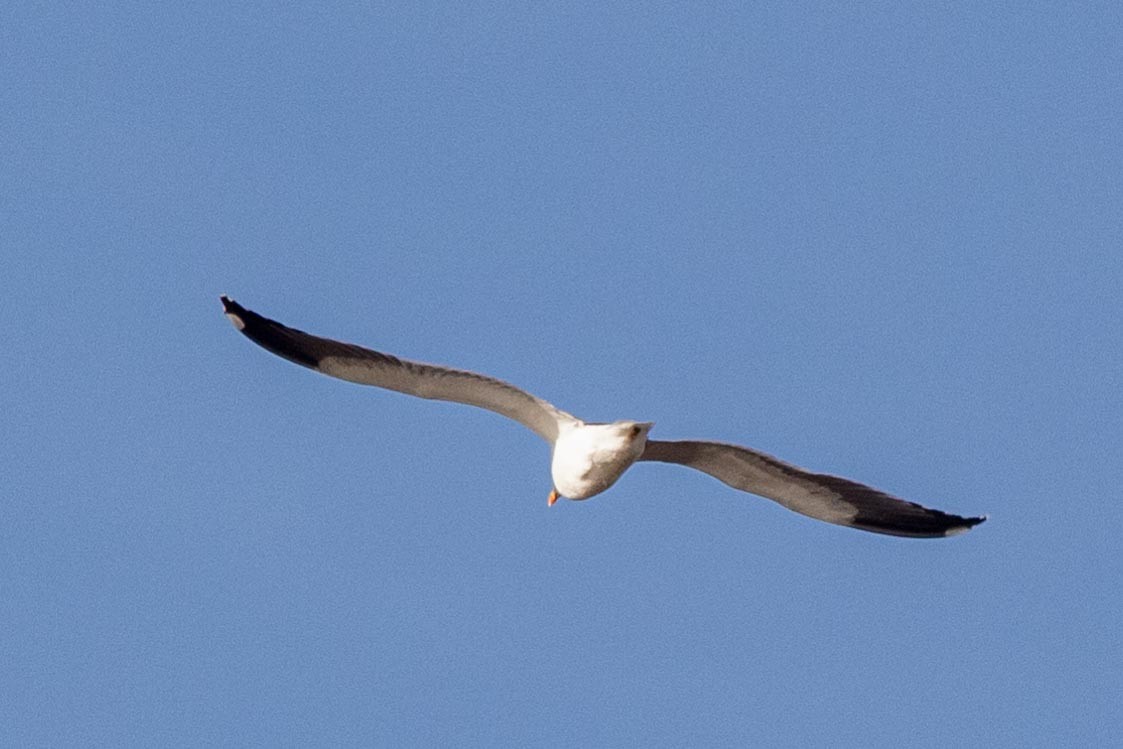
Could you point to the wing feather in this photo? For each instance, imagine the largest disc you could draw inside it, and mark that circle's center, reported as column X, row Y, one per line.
column 817, row 495
column 368, row 367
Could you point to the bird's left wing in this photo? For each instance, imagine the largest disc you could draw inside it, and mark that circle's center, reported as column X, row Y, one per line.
column 367, row 367
column 817, row 495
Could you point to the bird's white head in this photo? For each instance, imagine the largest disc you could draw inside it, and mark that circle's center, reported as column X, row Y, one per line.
column 632, row 430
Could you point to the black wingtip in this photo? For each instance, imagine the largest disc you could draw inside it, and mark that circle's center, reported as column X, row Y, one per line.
column 965, row 525
column 927, row 524
column 230, row 306
column 292, row 344
column 234, row 311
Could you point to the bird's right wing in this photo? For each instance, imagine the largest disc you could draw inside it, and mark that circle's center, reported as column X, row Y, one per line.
column 366, row 367
column 817, row 495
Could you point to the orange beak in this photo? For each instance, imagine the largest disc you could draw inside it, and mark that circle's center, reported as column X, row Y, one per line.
column 552, row 498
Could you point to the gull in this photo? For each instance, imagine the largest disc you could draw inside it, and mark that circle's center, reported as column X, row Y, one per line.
column 589, row 457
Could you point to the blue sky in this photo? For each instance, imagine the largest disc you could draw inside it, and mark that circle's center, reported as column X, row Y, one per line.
column 880, row 241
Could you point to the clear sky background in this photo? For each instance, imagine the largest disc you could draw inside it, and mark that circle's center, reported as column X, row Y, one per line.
column 880, row 241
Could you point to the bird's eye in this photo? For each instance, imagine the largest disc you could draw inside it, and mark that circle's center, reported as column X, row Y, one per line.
column 636, row 430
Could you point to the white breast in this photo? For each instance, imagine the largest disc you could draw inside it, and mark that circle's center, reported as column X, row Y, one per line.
column 589, row 458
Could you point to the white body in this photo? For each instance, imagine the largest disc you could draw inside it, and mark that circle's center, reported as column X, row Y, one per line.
column 589, row 458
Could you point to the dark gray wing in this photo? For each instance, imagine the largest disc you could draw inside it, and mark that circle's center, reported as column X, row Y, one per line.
column 817, row 495
column 366, row 367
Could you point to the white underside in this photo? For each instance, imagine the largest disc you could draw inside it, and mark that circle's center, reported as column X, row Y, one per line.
column 589, row 458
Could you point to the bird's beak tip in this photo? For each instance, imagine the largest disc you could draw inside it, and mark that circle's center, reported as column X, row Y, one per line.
column 552, row 498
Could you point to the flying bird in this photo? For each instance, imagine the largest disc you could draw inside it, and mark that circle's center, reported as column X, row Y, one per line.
column 589, row 457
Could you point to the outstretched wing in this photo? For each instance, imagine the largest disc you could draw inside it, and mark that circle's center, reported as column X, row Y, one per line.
column 817, row 495
column 366, row 367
